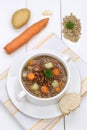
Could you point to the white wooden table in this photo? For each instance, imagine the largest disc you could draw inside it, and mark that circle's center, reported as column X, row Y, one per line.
column 60, row 8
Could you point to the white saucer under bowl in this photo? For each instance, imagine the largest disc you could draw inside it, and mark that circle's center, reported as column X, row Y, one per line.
column 30, row 109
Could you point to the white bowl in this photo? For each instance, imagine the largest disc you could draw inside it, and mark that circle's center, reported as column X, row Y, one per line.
column 29, row 96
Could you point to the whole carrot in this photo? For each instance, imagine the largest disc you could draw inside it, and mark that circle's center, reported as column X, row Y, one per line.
column 26, row 36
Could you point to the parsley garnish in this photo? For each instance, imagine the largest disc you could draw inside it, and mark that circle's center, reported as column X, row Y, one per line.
column 70, row 25
column 48, row 73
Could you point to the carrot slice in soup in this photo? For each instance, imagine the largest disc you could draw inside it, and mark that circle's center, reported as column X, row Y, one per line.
column 56, row 71
column 31, row 62
column 31, row 76
column 58, row 89
column 44, row 89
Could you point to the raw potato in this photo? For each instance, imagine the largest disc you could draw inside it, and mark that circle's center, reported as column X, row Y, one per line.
column 49, row 65
column 20, row 17
column 69, row 102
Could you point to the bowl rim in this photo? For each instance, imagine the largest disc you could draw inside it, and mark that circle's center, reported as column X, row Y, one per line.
column 49, row 52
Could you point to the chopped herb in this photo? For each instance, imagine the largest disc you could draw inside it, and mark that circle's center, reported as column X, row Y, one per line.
column 48, row 73
column 70, row 25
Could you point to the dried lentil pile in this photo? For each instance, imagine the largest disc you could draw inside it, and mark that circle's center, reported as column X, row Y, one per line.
column 71, row 28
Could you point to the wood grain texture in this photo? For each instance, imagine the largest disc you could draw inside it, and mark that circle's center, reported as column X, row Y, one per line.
column 77, row 119
column 7, row 32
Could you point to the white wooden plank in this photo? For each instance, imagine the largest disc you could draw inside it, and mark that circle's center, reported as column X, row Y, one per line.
column 77, row 119
column 7, row 32
column 78, row 8
column 37, row 7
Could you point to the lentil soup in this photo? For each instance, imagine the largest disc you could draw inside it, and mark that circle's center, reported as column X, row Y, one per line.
column 44, row 76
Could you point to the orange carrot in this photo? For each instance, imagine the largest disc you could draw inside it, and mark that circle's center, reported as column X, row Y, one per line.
column 31, row 62
column 61, row 84
column 31, row 76
column 56, row 71
column 58, row 89
column 44, row 89
column 26, row 36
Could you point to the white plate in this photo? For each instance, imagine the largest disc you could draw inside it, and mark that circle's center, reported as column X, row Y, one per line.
column 26, row 107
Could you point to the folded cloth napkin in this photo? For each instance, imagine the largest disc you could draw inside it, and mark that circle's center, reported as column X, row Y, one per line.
column 28, row 123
